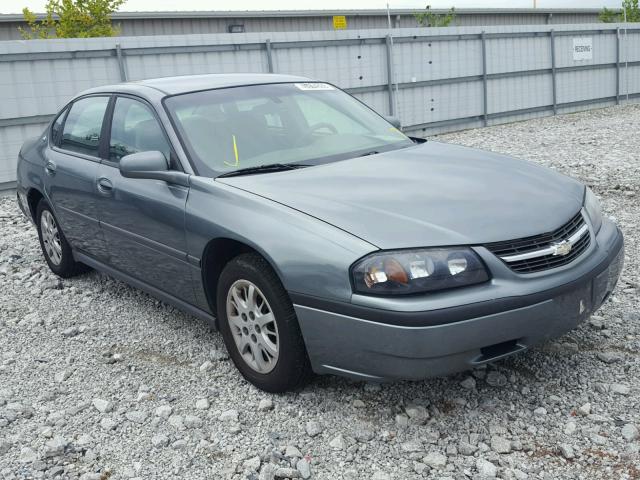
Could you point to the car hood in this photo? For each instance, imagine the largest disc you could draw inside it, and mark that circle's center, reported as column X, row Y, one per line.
column 433, row 194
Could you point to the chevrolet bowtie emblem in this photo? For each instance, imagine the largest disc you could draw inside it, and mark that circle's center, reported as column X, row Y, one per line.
column 561, row 248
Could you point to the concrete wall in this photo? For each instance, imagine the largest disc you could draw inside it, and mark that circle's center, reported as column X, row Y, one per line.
column 433, row 79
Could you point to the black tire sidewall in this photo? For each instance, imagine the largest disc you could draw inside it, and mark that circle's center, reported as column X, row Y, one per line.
column 292, row 368
column 67, row 266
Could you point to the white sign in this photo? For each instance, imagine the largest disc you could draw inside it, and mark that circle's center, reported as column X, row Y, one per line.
column 314, row 86
column 583, row 48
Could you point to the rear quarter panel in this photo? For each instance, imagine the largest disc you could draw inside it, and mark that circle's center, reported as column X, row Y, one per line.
column 30, row 169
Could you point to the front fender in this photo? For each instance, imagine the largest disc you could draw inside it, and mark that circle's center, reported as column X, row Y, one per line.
column 310, row 256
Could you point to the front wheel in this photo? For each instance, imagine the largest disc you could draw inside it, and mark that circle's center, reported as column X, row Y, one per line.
column 259, row 326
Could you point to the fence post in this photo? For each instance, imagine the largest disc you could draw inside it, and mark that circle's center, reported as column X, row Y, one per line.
column 552, row 39
column 269, row 55
column 618, row 66
column 121, row 66
column 484, row 78
column 392, row 100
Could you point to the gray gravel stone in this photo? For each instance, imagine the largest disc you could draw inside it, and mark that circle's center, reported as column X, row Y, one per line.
column 313, row 428
column 192, row 421
column 252, row 464
column 630, row 432
column 567, row 451
column 435, row 460
column 609, row 357
column 418, row 414
column 468, row 383
column 91, row 337
column 500, row 444
column 108, row 424
column 620, row 388
column 136, row 416
column 496, row 379
column 412, row 446
column 338, row 443
column 286, row 472
column 160, row 440
column 27, row 455
column 55, row 447
column 164, row 411
column 103, row 406
column 229, row 416
column 304, row 467
column 585, row 409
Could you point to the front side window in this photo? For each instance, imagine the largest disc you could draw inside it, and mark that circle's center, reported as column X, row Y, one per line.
column 83, row 126
column 310, row 123
column 134, row 129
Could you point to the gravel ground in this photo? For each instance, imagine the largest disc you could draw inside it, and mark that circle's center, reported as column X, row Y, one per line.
column 98, row 380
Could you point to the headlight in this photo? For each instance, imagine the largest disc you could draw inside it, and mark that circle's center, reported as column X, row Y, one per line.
column 592, row 206
column 416, row 271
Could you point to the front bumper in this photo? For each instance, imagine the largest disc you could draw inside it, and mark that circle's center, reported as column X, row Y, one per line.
column 385, row 345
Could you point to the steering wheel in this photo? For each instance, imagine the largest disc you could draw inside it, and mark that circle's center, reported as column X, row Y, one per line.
column 321, row 125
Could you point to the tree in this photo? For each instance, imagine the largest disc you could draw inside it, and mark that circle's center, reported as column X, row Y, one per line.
column 629, row 7
column 430, row 19
column 72, row 19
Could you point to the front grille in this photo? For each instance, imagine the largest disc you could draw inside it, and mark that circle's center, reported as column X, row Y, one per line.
column 529, row 246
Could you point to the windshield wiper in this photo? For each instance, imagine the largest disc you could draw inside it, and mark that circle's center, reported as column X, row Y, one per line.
column 272, row 167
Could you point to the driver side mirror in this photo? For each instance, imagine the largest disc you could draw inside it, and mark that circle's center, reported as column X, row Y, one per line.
column 395, row 121
column 151, row 165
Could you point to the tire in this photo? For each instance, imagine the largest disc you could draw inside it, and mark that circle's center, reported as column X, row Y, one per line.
column 290, row 369
column 58, row 256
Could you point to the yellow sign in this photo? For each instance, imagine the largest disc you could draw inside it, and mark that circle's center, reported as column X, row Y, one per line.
column 339, row 22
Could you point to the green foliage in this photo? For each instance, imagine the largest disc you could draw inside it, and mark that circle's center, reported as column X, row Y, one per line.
column 72, row 19
column 630, row 7
column 430, row 19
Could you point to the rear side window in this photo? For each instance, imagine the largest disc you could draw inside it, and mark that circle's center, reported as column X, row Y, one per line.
column 83, row 126
column 134, row 129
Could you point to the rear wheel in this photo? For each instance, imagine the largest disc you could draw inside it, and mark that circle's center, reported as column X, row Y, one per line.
column 259, row 326
column 55, row 248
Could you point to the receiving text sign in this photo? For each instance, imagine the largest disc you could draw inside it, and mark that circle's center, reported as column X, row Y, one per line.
column 583, row 48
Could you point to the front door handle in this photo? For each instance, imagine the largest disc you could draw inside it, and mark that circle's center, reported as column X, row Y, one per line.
column 50, row 168
column 105, row 186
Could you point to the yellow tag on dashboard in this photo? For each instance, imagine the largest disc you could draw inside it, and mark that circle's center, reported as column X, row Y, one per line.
column 339, row 22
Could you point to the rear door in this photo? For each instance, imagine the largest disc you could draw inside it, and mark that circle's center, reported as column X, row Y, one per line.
column 143, row 219
column 71, row 169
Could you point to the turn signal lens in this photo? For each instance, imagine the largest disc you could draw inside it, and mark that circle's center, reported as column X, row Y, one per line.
column 395, row 272
column 417, row 271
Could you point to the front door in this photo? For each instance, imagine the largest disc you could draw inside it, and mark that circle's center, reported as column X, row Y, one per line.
column 71, row 171
column 142, row 219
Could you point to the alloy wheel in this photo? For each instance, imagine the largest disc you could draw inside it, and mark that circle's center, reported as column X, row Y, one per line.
column 253, row 326
column 51, row 237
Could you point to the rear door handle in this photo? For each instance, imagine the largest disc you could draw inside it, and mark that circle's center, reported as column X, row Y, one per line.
column 50, row 168
column 105, row 186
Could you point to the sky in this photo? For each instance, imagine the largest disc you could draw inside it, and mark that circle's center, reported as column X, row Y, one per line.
column 15, row 6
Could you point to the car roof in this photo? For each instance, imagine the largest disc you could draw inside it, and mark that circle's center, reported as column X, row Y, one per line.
column 191, row 83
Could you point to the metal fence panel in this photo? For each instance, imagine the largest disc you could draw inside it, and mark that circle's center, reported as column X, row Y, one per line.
column 516, row 93
column 518, row 54
column 436, row 79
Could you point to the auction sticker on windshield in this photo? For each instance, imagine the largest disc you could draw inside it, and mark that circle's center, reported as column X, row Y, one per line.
column 314, row 86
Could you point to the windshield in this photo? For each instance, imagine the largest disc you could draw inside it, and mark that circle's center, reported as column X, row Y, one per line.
column 306, row 123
